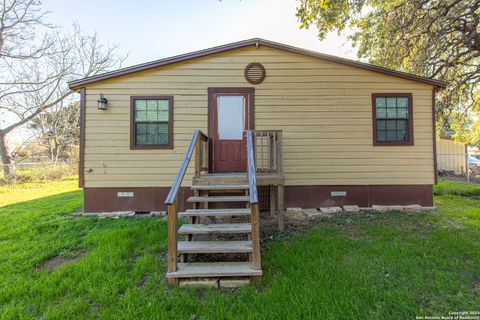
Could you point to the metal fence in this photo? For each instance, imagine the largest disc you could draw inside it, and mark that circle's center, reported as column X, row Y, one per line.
column 459, row 167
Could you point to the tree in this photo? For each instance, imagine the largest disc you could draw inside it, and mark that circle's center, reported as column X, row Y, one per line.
column 36, row 62
column 58, row 130
column 432, row 38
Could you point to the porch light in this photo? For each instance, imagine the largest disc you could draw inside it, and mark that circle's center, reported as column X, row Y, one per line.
column 102, row 102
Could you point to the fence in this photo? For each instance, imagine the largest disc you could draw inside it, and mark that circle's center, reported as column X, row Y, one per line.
column 34, row 171
column 459, row 166
column 451, row 166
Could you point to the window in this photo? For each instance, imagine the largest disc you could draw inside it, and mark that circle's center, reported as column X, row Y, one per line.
column 392, row 119
column 230, row 117
column 151, row 122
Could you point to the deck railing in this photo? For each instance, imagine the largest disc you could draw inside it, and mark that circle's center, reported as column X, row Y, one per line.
column 253, row 202
column 268, row 151
column 199, row 146
column 201, row 155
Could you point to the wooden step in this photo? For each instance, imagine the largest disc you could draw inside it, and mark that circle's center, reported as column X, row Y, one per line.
column 219, row 199
column 221, row 187
column 214, row 246
column 214, row 212
column 215, row 228
column 214, row 269
column 221, row 179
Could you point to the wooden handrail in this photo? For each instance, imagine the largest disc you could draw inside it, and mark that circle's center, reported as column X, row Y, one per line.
column 171, row 201
column 254, row 210
column 252, row 178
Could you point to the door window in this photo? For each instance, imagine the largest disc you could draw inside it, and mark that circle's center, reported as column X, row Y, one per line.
column 231, row 117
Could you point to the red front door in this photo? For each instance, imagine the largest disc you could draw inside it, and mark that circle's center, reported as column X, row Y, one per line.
column 231, row 117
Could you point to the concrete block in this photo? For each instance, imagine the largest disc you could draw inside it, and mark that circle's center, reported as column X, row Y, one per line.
column 311, row 212
column 116, row 214
column 294, row 212
column 233, row 283
column 199, row 282
column 395, row 208
column 413, row 208
column 91, row 214
column 381, row 208
column 351, row 208
column 331, row 210
column 157, row 213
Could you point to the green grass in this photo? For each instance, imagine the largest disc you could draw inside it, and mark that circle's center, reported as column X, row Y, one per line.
column 365, row 266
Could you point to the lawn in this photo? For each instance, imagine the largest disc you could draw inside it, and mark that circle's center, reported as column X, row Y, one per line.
column 363, row 266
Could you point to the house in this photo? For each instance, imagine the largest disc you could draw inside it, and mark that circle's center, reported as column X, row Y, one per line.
column 451, row 156
column 314, row 129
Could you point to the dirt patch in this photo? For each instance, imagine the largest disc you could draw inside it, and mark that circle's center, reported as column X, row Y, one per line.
column 55, row 262
column 162, row 255
column 141, row 284
column 476, row 285
column 347, row 224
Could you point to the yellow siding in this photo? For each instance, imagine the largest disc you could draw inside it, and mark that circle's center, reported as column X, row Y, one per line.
column 451, row 156
column 323, row 108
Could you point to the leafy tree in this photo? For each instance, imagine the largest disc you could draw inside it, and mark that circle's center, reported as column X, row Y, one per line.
column 432, row 38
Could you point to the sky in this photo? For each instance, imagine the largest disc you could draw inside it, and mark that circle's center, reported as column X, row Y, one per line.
column 147, row 30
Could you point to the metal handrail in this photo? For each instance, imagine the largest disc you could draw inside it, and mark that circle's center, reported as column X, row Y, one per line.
column 252, row 178
column 172, row 195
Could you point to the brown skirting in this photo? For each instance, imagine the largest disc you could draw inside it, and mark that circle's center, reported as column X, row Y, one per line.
column 152, row 198
column 144, row 199
column 363, row 196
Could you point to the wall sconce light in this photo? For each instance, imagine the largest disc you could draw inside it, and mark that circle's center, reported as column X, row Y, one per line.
column 102, row 102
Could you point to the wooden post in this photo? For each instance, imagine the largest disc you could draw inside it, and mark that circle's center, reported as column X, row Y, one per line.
column 206, row 152
column 280, row 213
column 172, row 242
column 206, row 193
column 274, row 152
column 272, row 200
column 197, row 158
column 279, row 148
column 270, row 152
column 262, row 165
column 256, row 261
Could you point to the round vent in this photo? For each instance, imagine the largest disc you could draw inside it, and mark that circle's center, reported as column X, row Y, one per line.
column 254, row 73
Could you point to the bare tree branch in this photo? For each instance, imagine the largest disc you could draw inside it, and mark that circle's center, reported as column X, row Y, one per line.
column 36, row 62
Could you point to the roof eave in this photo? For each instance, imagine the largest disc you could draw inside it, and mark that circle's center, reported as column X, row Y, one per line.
column 76, row 84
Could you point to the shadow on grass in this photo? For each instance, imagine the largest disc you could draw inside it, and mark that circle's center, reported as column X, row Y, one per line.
column 33, row 230
column 107, row 258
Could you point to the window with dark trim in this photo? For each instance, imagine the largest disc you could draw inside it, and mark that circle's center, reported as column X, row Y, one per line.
column 392, row 119
column 151, row 124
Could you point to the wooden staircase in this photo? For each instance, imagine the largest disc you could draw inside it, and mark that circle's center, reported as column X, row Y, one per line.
column 241, row 201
